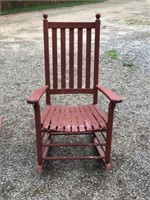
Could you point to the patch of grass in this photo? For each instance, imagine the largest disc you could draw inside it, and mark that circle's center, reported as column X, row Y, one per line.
column 137, row 21
column 49, row 5
column 128, row 64
column 113, row 54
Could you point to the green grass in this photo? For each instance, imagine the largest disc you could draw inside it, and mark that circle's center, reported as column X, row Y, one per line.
column 137, row 21
column 113, row 54
column 128, row 64
column 48, row 6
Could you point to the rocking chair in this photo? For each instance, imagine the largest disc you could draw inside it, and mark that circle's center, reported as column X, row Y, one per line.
column 78, row 78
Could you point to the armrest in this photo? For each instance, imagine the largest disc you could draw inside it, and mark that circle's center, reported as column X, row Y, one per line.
column 36, row 95
column 109, row 94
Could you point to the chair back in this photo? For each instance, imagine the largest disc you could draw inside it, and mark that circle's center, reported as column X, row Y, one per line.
column 71, row 51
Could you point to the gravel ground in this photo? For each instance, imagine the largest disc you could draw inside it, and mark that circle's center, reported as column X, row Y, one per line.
column 125, row 28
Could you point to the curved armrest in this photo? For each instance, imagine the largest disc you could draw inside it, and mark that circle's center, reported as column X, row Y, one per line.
column 109, row 94
column 36, row 95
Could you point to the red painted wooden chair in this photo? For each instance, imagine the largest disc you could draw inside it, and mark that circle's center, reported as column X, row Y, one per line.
column 73, row 120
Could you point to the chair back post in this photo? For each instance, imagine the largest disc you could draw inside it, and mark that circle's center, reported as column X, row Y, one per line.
column 96, row 56
column 1, row 120
column 46, row 56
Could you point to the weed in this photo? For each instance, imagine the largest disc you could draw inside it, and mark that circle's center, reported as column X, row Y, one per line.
column 113, row 54
column 128, row 64
column 136, row 21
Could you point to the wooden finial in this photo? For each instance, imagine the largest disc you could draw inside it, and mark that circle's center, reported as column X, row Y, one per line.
column 97, row 16
column 45, row 16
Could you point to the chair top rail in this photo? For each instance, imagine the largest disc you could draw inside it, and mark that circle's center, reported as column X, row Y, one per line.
column 72, row 25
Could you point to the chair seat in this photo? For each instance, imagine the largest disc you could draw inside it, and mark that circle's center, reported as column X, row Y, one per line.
column 83, row 118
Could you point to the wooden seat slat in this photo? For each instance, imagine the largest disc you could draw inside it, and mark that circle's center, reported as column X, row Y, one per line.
column 48, row 117
column 91, row 117
column 87, row 121
column 101, row 112
column 67, row 119
column 74, row 123
column 100, row 120
column 45, row 113
column 80, row 120
column 61, row 120
column 55, row 119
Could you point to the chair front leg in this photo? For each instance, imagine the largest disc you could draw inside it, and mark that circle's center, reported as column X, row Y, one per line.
column 38, row 135
column 109, row 132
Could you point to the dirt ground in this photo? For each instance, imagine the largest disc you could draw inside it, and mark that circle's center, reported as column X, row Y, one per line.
column 125, row 28
column 28, row 26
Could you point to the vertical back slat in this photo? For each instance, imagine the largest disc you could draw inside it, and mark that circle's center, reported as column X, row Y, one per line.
column 80, row 33
column 71, row 58
column 63, row 59
column 54, row 47
column 88, row 57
